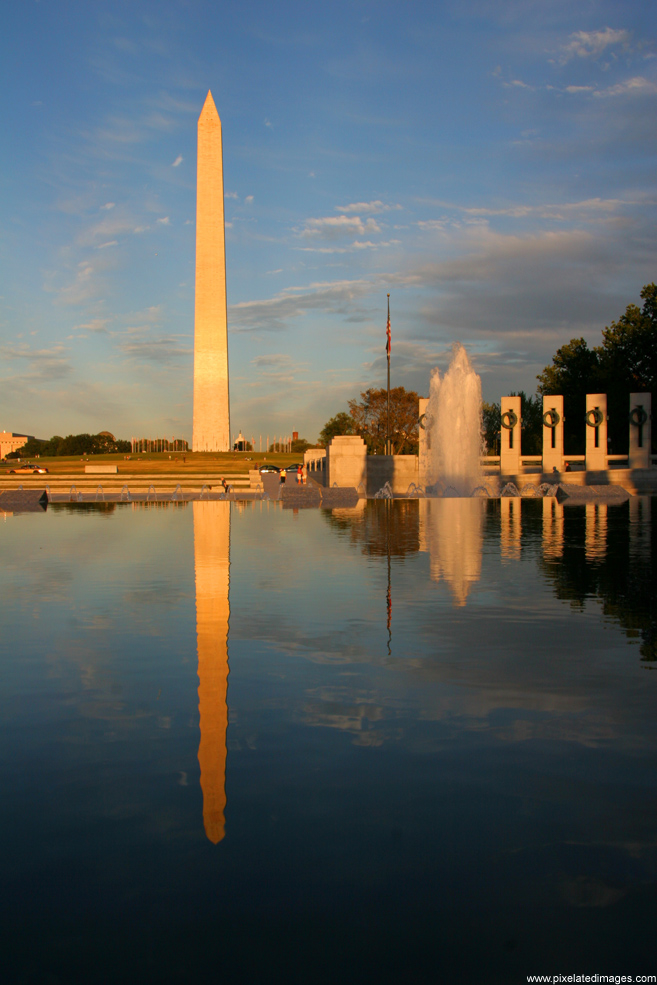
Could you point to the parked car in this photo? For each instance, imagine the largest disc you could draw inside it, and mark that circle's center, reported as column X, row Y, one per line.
column 34, row 469
column 268, row 468
column 293, row 468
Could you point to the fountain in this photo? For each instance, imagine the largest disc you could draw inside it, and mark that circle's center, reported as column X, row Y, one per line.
column 453, row 423
column 385, row 492
column 450, row 462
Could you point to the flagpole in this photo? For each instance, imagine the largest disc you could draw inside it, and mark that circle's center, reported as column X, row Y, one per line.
column 388, row 449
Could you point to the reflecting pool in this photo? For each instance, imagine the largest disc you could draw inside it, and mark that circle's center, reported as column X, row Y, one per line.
column 411, row 741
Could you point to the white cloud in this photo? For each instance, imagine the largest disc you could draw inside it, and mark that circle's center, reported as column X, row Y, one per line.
column 248, row 200
column 432, row 224
column 580, row 88
column 111, row 242
column 166, row 221
column 178, row 161
column 45, row 365
column 335, row 227
column 591, row 44
column 108, row 205
column 274, row 314
column 231, row 195
column 84, row 287
column 587, row 210
column 518, row 83
column 161, row 350
column 638, row 86
column 109, row 228
column 371, row 207
column 96, row 325
column 269, row 124
column 353, row 247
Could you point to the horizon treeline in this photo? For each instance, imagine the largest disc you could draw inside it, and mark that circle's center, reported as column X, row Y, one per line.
column 72, row 444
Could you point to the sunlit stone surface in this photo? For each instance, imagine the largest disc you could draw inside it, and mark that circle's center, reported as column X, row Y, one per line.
column 211, row 431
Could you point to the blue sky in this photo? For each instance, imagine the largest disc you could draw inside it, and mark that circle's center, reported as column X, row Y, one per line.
column 490, row 164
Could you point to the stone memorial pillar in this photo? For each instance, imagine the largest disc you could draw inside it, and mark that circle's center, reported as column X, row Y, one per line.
column 596, row 431
column 510, row 440
column 640, row 430
column 347, row 461
column 553, row 433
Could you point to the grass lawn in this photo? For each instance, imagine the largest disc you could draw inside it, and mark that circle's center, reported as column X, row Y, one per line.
column 164, row 463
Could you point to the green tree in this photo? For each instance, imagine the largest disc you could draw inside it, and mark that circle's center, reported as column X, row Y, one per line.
column 491, row 426
column 370, row 418
column 531, row 423
column 73, row 444
column 340, row 424
column 628, row 355
column 626, row 362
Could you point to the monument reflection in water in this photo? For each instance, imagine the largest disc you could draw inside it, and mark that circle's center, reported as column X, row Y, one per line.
column 212, row 576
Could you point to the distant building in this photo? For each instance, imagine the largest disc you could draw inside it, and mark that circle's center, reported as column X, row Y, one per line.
column 9, row 441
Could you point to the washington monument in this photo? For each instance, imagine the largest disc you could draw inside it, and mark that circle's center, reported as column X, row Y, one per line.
column 211, row 430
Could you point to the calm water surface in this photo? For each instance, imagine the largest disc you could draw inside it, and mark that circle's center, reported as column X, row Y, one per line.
column 411, row 742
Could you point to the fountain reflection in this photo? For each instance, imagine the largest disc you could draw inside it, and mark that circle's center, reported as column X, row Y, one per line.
column 451, row 530
column 212, row 566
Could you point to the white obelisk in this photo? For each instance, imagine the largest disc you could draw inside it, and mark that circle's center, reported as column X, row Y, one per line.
column 211, row 431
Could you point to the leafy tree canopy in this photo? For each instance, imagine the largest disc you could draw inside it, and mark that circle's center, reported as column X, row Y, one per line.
column 625, row 363
column 340, row 424
column 491, row 426
column 370, row 418
column 367, row 417
column 73, row 444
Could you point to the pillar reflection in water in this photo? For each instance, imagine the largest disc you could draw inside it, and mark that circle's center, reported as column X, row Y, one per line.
column 510, row 527
column 552, row 528
column 596, row 531
column 452, row 531
column 211, row 565
column 640, row 526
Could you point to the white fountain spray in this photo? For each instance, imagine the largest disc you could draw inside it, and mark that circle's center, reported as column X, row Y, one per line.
column 453, row 422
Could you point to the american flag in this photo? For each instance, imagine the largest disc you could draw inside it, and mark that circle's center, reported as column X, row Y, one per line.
column 388, row 343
